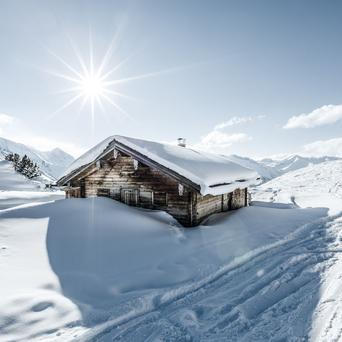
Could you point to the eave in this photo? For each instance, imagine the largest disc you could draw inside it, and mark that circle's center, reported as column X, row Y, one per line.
column 136, row 155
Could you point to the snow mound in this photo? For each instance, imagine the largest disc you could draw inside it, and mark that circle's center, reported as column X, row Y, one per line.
column 213, row 173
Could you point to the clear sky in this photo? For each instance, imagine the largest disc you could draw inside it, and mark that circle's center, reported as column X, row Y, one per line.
column 254, row 78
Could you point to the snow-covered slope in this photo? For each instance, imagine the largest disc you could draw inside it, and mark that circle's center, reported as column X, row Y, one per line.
column 11, row 180
column 52, row 163
column 15, row 189
column 312, row 186
column 269, row 168
column 98, row 267
column 294, row 162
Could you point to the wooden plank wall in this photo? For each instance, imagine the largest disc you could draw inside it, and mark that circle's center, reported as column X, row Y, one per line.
column 239, row 198
column 119, row 174
column 207, row 205
column 189, row 209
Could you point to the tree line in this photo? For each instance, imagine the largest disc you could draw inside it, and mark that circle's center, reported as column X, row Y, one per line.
column 24, row 165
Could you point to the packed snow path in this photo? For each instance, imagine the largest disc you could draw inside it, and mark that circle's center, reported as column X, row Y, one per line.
column 288, row 292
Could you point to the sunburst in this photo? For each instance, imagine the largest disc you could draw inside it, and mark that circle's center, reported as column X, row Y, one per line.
column 96, row 85
column 91, row 84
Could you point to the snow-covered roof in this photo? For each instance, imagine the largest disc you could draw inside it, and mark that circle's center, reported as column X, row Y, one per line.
column 214, row 174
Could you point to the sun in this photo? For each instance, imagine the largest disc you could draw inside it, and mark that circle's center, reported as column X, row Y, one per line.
column 96, row 85
column 92, row 86
column 90, row 83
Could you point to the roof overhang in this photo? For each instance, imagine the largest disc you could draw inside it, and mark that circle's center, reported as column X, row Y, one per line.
column 136, row 155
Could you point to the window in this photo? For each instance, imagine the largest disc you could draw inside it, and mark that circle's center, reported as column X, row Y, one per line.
column 146, row 198
column 114, row 193
column 129, row 196
column 103, row 192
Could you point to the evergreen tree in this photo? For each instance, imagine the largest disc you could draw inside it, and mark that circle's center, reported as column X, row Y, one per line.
column 24, row 165
column 9, row 157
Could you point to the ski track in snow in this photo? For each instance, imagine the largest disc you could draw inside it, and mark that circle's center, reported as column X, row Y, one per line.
column 274, row 294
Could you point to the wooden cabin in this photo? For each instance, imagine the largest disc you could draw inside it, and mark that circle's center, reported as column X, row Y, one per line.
column 190, row 185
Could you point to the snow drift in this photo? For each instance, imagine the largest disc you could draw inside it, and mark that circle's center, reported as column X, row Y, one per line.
column 96, row 259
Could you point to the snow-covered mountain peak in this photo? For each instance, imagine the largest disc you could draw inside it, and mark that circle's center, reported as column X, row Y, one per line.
column 51, row 163
column 275, row 166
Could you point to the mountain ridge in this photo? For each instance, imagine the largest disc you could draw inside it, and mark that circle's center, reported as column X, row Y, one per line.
column 270, row 168
column 52, row 163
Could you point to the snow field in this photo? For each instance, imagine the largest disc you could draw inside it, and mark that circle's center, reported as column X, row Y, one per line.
column 97, row 265
column 268, row 296
column 97, row 270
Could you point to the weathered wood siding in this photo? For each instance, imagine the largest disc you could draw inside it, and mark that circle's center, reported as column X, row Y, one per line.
column 207, row 205
column 116, row 177
column 239, row 199
column 148, row 187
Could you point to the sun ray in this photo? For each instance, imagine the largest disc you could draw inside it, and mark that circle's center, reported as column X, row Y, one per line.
column 99, row 102
column 138, row 77
column 91, row 54
column 78, row 55
column 65, row 77
column 65, row 64
column 66, row 105
column 115, row 105
column 84, row 101
column 68, row 90
column 117, row 67
column 107, row 56
column 117, row 93
column 94, row 83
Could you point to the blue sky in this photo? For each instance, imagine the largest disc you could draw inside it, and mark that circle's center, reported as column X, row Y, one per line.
column 226, row 75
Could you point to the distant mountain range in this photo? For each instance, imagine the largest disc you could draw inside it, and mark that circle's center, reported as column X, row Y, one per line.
column 269, row 168
column 51, row 163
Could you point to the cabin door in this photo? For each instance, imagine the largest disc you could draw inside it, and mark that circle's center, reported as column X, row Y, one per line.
column 130, row 197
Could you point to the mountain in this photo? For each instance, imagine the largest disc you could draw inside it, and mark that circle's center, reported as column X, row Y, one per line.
column 293, row 162
column 269, row 168
column 51, row 163
column 264, row 171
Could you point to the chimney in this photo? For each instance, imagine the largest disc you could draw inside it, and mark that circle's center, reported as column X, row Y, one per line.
column 181, row 142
